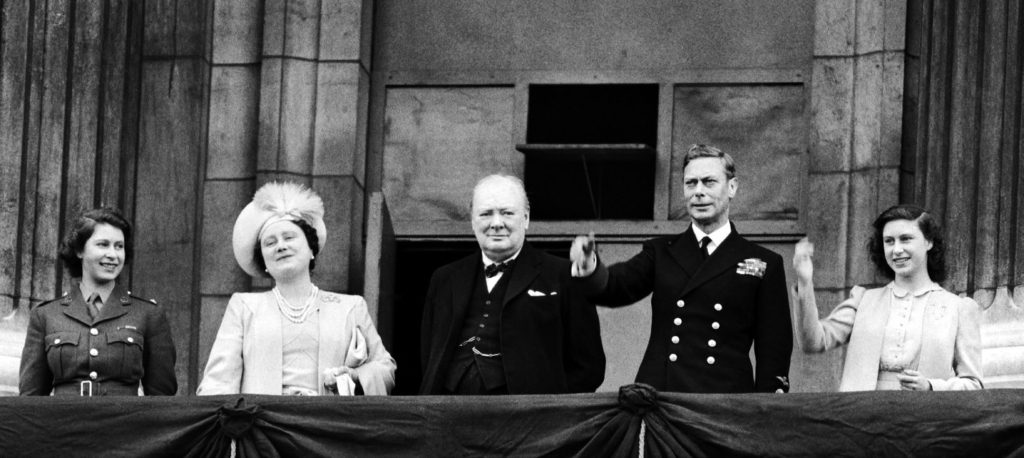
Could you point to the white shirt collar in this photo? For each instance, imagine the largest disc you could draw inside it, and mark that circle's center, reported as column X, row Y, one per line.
column 488, row 261
column 717, row 236
column 901, row 293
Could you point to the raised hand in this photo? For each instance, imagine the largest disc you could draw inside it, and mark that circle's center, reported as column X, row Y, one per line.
column 802, row 262
column 583, row 253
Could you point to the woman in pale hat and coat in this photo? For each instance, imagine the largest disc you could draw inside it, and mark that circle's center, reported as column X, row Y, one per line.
column 294, row 339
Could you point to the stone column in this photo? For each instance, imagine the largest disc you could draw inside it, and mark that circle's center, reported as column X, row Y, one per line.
column 856, row 104
column 314, row 95
column 289, row 92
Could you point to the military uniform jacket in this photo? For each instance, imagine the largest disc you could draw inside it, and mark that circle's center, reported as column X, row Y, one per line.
column 706, row 314
column 128, row 344
column 550, row 336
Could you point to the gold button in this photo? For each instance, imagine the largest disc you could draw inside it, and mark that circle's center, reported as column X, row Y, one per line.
column 715, row 325
column 678, row 321
column 672, row 357
column 711, row 360
column 718, row 307
column 131, row 340
column 712, row 343
column 56, row 341
column 680, row 303
column 94, row 331
column 93, row 375
column 675, row 339
column 94, row 352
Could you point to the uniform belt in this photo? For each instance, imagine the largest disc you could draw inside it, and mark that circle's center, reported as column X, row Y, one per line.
column 91, row 388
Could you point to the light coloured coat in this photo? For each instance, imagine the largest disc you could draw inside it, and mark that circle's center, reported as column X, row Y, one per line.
column 950, row 349
column 247, row 353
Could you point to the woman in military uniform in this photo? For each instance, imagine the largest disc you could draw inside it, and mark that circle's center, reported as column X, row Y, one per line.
column 295, row 339
column 98, row 339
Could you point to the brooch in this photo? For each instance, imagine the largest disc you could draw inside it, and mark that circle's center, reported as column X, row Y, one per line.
column 752, row 266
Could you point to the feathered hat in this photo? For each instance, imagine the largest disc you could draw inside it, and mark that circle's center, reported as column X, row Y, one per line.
column 272, row 203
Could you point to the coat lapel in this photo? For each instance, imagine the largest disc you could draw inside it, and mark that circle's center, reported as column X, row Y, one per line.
column 860, row 368
column 525, row 270
column 266, row 326
column 465, row 275
column 117, row 304
column 335, row 335
column 723, row 259
column 74, row 305
column 686, row 252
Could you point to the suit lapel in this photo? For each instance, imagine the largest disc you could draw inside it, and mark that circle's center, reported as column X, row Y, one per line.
column 724, row 258
column 523, row 273
column 465, row 275
column 686, row 252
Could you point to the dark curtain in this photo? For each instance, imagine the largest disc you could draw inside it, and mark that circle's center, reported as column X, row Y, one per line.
column 920, row 424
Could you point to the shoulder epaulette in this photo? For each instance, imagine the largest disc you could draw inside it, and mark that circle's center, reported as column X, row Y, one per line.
column 64, row 298
column 151, row 301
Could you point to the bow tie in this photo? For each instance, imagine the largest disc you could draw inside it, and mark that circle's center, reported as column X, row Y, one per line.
column 496, row 268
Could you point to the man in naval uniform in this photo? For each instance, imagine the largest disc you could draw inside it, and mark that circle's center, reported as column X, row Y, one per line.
column 714, row 293
column 508, row 319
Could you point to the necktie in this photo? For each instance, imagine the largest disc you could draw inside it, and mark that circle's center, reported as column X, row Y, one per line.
column 496, row 268
column 93, row 305
column 704, row 242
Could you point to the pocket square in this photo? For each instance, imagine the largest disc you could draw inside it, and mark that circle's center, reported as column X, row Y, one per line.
column 752, row 266
column 535, row 293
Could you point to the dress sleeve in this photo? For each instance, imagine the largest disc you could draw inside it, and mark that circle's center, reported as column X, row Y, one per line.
column 377, row 374
column 35, row 377
column 223, row 374
column 816, row 335
column 966, row 350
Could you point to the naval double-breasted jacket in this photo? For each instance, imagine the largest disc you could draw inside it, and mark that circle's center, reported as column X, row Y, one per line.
column 706, row 314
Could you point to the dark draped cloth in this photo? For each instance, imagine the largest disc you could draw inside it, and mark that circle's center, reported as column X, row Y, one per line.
column 920, row 424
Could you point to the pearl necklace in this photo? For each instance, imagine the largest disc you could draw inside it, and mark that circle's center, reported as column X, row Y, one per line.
column 292, row 313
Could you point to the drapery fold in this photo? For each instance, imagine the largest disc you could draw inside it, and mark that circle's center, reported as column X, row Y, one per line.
column 981, row 423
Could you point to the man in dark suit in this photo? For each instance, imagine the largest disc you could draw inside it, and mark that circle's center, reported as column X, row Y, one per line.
column 509, row 319
column 714, row 293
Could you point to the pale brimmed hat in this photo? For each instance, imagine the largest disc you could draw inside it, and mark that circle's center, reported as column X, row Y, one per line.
column 272, row 203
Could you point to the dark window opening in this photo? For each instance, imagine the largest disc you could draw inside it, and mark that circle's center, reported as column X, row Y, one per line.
column 590, row 151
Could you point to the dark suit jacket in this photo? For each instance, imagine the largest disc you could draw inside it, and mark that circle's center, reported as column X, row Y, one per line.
column 550, row 343
column 131, row 337
column 720, row 312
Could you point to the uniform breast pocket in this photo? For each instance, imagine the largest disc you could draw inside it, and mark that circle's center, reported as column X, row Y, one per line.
column 61, row 351
column 129, row 345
